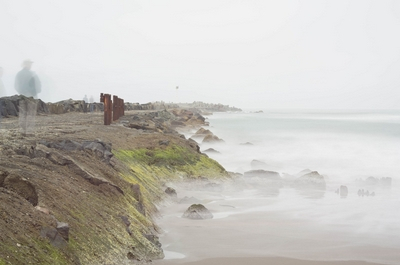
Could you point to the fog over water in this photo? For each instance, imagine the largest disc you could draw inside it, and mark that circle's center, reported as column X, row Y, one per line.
column 340, row 144
column 316, row 55
column 343, row 146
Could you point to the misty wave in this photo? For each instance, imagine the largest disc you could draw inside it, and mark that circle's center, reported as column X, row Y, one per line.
column 341, row 150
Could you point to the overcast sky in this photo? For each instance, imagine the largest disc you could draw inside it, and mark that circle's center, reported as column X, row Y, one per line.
column 255, row 53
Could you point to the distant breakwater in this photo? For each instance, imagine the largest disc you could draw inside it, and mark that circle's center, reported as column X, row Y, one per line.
column 9, row 106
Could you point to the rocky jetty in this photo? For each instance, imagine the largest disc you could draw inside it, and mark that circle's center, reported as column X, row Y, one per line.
column 186, row 111
column 76, row 186
column 208, row 107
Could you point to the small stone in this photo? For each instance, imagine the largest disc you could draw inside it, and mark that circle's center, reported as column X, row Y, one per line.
column 171, row 192
column 42, row 209
column 63, row 230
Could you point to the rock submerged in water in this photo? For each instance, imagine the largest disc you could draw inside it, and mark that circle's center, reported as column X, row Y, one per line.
column 197, row 212
column 212, row 139
column 211, row 151
column 343, row 191
column 263, row 174
column 171, row 192
column 187, row 200
column 312, row 180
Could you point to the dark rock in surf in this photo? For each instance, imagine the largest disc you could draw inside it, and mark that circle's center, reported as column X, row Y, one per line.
column 343, row 191
column 187, row 200
column 303, row 172
column 197, row 212
column 264, row 174
column 211, row 151
column 212, row 139
column 203, row 132
column 171, row 192
column 312, row 180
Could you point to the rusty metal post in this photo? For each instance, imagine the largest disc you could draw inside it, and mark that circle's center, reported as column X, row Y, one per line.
column 109, row 114
column 121, row 107
column 118, row 108
column 114, row 108
column 106, row 99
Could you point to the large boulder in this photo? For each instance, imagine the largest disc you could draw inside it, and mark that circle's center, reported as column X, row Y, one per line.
column 197, row 212
column 263, row 174
column 312, row 180
column 22, row 187
column 187, row 200
column 171, row 192
column 303, row 172
column 10, row 105
column 211, row 151
column 212, row 139
column 203, row 131
column 188, row 117
column 343, row 191
column 68, row 105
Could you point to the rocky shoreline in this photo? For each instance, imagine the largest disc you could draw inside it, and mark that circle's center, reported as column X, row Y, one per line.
column 79, row 192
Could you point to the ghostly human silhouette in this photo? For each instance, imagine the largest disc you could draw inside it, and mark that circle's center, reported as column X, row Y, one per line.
column 2, row 93
column 27, row 83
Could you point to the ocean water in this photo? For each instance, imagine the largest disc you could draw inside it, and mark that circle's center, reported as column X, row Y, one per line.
column 343, row 146
column 340, row 145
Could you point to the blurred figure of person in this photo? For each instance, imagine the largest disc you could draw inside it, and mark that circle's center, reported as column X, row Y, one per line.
column 27, row 84
column 85, row 101
column 2, row 93
column 91, row 106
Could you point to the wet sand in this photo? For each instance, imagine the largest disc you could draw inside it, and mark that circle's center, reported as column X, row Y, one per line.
column 251, row 228
column 265, row 261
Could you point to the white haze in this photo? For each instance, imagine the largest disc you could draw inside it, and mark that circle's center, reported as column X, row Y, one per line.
column 341, row 145
column 261, row 54
column 261, row 221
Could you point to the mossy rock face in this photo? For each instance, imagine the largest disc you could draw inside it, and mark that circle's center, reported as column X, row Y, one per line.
column 173, row 158
column 197, row 212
